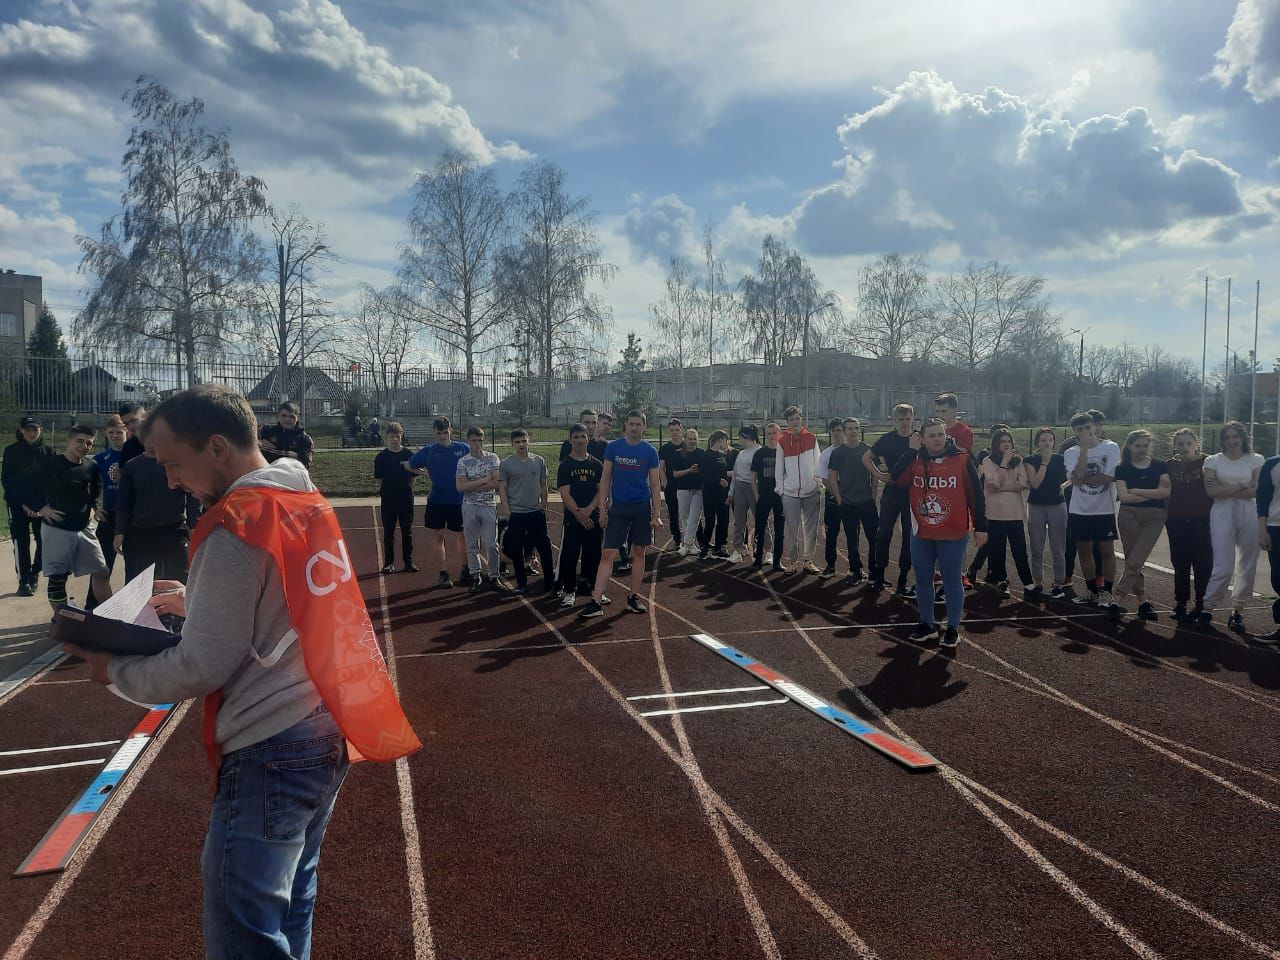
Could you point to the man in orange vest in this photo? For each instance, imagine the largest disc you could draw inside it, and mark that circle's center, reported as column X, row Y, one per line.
column 295, row 685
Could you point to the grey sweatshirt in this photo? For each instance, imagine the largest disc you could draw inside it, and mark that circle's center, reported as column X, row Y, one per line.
column 248, row 650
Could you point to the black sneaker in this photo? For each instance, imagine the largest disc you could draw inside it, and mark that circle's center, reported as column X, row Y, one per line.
column 940, row 598
column 924, row 633
column 24, row 590
column 388, row 568
column 950, row 639
column 1204, row 618
column 464, row 577
column 444, row 580
column 720, row 553
column 624, row 567
column 1235, row 622
column 496, row 585
column 592, row 609
column 635, row 604
column 905, row 592
column 504, row 569
column 477, row 584
column 1146, row 611
column 828, row 572
column 534, row 568
column 521, row 591
column 855, row 577
column 1002, row 588
column 1058, row 593
column 779, row 567
column 1032, row 591
column 411, row 567
column 876, row 585
column 758, row 565
column 703, row 553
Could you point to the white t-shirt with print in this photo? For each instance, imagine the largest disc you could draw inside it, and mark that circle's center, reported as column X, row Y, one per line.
column 1094, row 499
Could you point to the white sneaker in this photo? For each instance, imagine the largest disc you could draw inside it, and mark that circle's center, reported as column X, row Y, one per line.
column 569, row 600
column 735, row 557
column 1107, row 601
column 604, row 601
column 768, row 559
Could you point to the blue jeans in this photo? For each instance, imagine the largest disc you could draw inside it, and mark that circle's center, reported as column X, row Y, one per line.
column 269, row 816
column 926, row 555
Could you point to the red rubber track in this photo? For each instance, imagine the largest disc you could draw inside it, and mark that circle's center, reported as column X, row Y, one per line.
column 556, row 823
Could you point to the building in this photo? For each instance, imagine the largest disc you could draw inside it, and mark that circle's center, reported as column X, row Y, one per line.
column 20, row 299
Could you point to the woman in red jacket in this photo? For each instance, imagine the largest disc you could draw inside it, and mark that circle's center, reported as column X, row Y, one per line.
column 946, row 500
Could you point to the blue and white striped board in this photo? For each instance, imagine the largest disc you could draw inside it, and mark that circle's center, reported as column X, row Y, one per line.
column 873, row 737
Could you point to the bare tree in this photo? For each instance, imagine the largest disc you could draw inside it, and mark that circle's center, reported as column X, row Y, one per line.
column 680, row 316
column 816, row 310
column 175, row 268
column 894, row 310
column 447, row 278
column 545, row 275
column 1098, row 363
column 985, row 310
column 385, row 345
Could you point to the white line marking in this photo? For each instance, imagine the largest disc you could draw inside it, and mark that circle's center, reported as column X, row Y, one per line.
column 424, row 946
column 689, row 693
column 718, row 706
column 51, row 683
column 52, row 766
column 16, row 681
column 115, row 803
column 532, row 646
column 69, row 746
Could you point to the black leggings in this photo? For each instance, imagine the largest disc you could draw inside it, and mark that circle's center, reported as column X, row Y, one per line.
column 1012, row 533
column 715, row 517
column 895, row 507
column 1191, row 551
column 769, row 503
column 397, row 510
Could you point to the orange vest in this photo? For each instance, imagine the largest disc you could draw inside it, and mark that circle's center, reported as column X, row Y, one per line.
column 339, row 646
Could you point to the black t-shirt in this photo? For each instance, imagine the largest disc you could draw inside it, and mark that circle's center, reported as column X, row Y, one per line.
column 582, row 477
column 1050, row 490
column 388, row 467
column 683, row 459
column 132, row 448
column 715, row 467
column 888, row 450
column 853, row 476
column 1143, row 478
column 595, row 448
column 70, row 487
column 665, row 453
column 764, row 463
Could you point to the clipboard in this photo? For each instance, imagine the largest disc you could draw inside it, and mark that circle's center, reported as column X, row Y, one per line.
column 73, row 625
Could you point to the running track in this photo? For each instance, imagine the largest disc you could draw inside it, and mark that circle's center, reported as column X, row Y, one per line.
column 1104, row 790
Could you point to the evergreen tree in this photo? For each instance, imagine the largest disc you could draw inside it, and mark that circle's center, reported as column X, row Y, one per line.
column 47, row 383
column 632, row 393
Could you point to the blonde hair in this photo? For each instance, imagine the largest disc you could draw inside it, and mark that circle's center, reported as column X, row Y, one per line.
column 1126, row 454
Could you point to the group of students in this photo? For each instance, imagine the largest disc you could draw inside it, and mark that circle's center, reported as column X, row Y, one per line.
column 73, row 513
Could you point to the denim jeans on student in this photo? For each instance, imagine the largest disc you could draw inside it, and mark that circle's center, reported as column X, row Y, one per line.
column 269, row 817
column 926, row 556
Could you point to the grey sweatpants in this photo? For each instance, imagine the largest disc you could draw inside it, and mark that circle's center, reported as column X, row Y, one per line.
column 744, row 514
column 802, row 515
column 480, row 527
column 1048, row 519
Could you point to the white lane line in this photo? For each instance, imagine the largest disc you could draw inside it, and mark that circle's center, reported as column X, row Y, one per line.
column 424, row 947
column 52, row 766
column 532, row 646
column 25, row 674
column 69, row 746
column 115, row 803
column 949, row 774
column 718, row 706
column 691, row 693
column 51, row 683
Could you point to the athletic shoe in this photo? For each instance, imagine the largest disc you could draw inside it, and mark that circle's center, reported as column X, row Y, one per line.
column 1266, row 639
column 967, row 581
column 1204, row 618
column 875, row 586
column 624, row 568
column 534, row 568
column 940, row 598
column 497, row 586
column 1235, row 622
column 520, row 591
column 735, row 557
column 1032, row 591
column 924, row 633
column 812, row 568
column 1107, row 601
column 411, row 567
column 950, row 639
column 444, row 580
column 768, row 558
column 1146, row 611
column 779, row 567
column 24, row 590
column 758, row 565
column 970, row 576
column 1087, row 599
column 592, row 609
column 568, row 599
column 704, row 553
column 720, row 553
column 604, row 600
column 389, row 568
column 477, row 584
column 464, row 577
column 504, row 568
column 855, row 577
column 1058, row 593
column 905, row 592
column 1180, row 613
column 635, row 604
column 828, row 572
column 1003, row 589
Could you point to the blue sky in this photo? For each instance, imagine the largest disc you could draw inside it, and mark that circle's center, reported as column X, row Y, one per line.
column 1125, row 150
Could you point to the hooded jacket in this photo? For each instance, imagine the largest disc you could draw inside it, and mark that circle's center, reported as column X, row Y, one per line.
column 798, row 456
column 944, row 492
column 19, row 458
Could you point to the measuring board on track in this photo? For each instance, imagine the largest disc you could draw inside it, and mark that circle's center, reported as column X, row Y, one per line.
column 59, row 845
column 873, row 737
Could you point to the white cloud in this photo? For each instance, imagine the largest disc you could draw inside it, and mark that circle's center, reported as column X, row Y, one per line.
column 931, row 165
column 1252, row 49
column 664, row 229
column 43, row 40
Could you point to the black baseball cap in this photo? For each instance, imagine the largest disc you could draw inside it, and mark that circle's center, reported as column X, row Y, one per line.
column 28, row 422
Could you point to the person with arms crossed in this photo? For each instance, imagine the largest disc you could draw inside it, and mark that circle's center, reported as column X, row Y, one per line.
column 800, row 485
column 945, row 501
column 1091, row 470
column 477, row 476
column 395, row 493
column 1004, row 487
column 685, row 466
column 1190, row 539
column 20, row 460
column 286, row 437
column 1142, row 488
column 895, row 508
column 632, row 499
column 443, row 516
column 1231, row 478
column 522, row 481
column 269, row 619
column 1047, row 513
column 742, row 494
column 854, row 489
column 764, row 483
column 578, row 480
column 715, row 496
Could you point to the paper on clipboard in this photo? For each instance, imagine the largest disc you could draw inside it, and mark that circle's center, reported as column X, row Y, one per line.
column 131, row 604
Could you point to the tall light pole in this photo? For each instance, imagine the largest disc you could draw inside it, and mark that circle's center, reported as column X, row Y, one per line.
column 1204, row 355
column 1226, row 387
column 1080, row 361
column 1253, row 366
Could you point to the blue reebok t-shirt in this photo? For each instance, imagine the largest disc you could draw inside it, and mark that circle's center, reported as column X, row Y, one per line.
column 105, row 460
column 442, row 467
column 631, row 466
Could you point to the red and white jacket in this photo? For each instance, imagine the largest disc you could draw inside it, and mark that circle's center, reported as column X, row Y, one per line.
column 945, row 493
column 798, row 456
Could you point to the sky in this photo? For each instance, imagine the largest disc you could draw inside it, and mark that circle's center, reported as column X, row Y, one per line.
column 1124, row 150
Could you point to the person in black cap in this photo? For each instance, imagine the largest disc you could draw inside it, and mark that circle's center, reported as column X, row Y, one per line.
column 19, row 458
